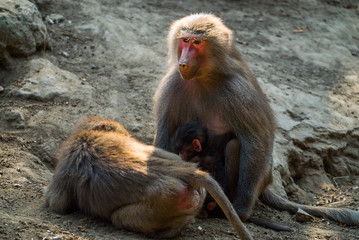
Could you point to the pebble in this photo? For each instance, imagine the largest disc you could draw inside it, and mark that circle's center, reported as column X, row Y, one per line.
column 1, row 89
column 90, row 27
column 65, row 54
column 56, row 237
column 15, row 118
column 54, row 18
column 136, row 127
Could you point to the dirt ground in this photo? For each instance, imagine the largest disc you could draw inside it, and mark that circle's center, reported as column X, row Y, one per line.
column 119, row 47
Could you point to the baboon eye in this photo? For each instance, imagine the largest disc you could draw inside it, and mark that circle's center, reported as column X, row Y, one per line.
column 196, row 42
column 186, row 40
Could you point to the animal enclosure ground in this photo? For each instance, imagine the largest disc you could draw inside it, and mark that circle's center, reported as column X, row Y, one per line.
column 118, row 48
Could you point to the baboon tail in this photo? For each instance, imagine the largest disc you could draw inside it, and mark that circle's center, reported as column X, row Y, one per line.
column 219, row 196
column 342, row 215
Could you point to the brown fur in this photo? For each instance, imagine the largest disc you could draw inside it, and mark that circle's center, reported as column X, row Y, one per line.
column 216, row 158
column 104, row 172
column 215, row 153
column 225, row 89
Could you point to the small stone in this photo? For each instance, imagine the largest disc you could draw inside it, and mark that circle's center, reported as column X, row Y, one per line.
column 355, row 53
column 56, row 237
column 136, row 127
column 1, row 89
column 65, row 54
column 54, row 18
column 15, row 118
column 89, row 28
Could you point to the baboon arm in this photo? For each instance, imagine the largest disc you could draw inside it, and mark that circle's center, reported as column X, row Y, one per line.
column 162, row 138
column 165, row 154
column 254, row 175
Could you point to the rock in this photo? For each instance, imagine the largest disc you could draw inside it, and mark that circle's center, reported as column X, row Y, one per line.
column 46, row 82
column 303, row 216
column 22, row 31
column 14, row 119
column 1, row 89
column 315, row 131
column 41, row 3
column 136, row 127
column 5, row 58
column 54, row 18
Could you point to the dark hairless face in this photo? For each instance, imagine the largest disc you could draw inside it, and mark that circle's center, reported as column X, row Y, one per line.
column 188, row 151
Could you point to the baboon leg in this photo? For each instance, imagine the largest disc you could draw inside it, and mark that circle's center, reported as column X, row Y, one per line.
column 135, row 217
column 143, row 217
column 232, row 167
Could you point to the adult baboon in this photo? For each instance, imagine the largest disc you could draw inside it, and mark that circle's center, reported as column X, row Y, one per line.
column 209, row 82
column 104, row 172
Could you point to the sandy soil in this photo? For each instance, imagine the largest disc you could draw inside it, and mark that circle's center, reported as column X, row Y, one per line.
column 120, row 49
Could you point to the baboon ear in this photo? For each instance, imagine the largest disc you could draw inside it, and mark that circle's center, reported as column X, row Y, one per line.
column 196, row 145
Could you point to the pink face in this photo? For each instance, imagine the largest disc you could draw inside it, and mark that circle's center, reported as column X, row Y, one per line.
column 191, row 56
